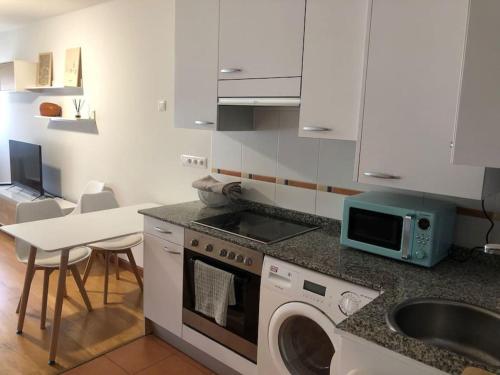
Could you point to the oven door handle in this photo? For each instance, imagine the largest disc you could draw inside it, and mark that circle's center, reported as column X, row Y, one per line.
column 405, row 242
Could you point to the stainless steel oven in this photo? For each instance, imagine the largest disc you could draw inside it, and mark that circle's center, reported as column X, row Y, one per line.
column 240, row 331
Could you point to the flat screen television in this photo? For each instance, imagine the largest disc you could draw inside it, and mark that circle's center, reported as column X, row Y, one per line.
column 26, row 165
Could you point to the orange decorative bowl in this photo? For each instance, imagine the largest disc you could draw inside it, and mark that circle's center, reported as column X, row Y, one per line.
column 50, row 110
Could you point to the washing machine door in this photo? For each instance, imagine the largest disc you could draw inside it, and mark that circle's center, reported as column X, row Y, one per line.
column 301, row 340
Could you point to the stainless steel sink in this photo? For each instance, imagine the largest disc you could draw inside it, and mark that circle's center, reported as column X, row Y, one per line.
column 464, row 329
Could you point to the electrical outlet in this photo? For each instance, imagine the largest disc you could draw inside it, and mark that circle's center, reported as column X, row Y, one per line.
column 194, row 161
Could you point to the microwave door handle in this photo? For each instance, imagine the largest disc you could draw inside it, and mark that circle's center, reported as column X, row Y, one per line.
column 405, row 242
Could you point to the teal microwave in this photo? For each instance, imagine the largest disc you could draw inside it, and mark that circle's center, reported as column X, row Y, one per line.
column 411, row 229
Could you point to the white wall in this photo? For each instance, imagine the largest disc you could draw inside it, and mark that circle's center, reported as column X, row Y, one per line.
column 127, row 58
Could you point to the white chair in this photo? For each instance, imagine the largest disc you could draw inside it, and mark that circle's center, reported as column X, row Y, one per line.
column 45, row 260
column 121, row 245
column 92, row 187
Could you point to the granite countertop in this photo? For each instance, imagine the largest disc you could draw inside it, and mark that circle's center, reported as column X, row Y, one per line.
column 476, row 281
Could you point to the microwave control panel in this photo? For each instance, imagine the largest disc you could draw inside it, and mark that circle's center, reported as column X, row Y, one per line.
column 423, row 236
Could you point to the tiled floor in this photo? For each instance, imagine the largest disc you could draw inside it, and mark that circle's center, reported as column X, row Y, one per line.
column 145, row 356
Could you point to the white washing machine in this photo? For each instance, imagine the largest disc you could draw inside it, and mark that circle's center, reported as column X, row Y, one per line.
column 299, row 310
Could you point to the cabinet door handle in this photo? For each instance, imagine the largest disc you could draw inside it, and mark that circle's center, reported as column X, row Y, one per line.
column 172, row 251
column 158, row 229
column 316, row 129
column 383, row 176
column 230, row 70
column 204, row 123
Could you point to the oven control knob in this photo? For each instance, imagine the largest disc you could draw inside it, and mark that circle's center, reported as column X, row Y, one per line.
column 349, row 303
column 248, row 261
column 194, row 242
column 231, row 255
column 209, row 248
column 240, row 258
column 223, row 253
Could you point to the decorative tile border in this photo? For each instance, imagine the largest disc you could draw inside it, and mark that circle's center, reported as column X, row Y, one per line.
column 333, row 189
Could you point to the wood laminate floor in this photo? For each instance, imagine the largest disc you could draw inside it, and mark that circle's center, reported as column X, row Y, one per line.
column 83, row 335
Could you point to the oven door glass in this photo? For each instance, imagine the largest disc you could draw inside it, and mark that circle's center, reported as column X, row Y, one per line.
column 375, row 228
column 242, row 318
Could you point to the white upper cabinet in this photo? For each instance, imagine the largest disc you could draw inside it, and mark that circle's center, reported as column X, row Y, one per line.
column 196, row 57
column 477, row 135
column 335, row 51
column 413, row 80
column 261, row 38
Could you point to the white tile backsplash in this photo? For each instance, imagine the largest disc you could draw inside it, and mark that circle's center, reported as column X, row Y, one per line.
column 259, row 191
column 297, row 157
column 295, row 198
column 260, row 147
column 336, row 163
column 329, row 205
column 274, row 149
column 226, row 150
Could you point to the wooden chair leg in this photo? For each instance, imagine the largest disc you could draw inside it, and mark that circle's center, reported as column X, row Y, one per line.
column 45, row 293
column 117, row 266
column 131, row 259
column 81, row 287
column 56, row 323
column 106, row 275
column 26, row 289
column 88, row 266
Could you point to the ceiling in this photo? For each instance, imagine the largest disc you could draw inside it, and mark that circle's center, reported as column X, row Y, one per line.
column 15, row 13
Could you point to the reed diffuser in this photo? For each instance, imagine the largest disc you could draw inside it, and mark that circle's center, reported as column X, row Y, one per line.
column 78, row 105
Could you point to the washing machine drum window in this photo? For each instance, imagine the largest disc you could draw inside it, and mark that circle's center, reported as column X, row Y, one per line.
column 300, row 340
column 305, row 347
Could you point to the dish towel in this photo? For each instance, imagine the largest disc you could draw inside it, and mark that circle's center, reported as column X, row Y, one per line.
column 231, row 190
column 214, row 291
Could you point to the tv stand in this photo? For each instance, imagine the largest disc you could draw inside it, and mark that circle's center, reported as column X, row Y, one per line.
column 11, row 195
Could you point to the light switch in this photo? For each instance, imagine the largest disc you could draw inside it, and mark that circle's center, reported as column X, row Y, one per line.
column 162, row 106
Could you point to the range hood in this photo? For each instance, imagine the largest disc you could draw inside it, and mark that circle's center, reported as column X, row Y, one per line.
column 261, row 102
column 237, row 99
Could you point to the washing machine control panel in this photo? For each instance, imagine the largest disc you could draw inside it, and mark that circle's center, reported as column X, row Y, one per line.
column 337, row 298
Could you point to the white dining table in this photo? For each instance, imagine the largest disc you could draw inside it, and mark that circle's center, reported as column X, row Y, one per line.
column 63, row 234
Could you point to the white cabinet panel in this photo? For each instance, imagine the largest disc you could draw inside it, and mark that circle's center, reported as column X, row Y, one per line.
column 261, row 38
column 412, row 88
column 164, row 230
column 478, row 129
column 163, row 273
column 335, row 50
column 196, row 56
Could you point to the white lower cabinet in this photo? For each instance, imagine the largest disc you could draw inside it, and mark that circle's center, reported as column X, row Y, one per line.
column 360, row 357
column 163, row 273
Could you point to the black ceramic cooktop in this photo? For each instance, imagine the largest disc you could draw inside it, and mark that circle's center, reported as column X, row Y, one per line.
column 257, row 227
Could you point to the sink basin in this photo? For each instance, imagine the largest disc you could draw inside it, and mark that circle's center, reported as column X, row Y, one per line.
column 464, row 329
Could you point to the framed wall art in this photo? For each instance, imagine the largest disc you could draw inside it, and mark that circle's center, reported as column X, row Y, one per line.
column 44, row 71
column 72, row 68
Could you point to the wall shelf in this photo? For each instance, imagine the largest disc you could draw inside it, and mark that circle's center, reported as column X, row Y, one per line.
column 56, row 90
column 66, row 119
